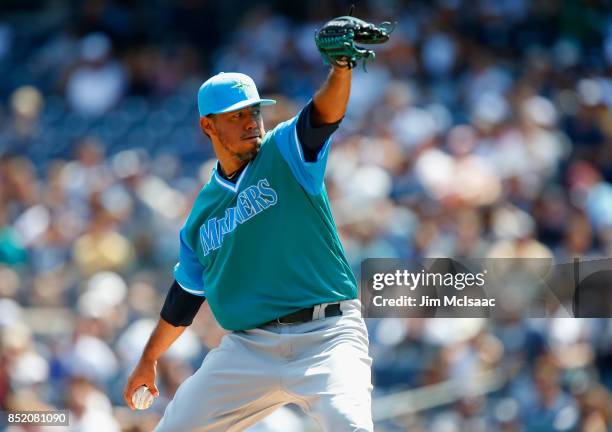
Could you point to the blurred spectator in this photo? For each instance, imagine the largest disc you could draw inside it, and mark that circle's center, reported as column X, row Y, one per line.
column 98, row 82
column 90, row 409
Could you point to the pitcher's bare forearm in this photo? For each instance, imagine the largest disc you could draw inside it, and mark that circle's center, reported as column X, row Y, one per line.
column 144, row 374
column 331, row 100
column 160, row 340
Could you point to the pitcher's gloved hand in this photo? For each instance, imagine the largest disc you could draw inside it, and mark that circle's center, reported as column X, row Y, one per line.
column 337, row 38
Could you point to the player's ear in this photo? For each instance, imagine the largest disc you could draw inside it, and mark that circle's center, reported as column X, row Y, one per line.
column 207, row 126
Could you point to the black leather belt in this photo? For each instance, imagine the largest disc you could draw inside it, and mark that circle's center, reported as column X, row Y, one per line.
column 307, row 314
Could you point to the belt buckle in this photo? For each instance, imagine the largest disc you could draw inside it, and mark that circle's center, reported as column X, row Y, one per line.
column 320, row 310
column 324, row 311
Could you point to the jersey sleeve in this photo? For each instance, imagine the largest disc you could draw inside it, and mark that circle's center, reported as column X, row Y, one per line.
column 180, row 307
column 188, row 271
column 309, row 174
column 312, row 138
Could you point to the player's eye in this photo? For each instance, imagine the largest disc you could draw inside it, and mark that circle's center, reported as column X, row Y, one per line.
column 237, row 115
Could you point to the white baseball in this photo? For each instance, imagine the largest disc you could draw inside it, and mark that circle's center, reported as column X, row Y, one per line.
column 142, row 398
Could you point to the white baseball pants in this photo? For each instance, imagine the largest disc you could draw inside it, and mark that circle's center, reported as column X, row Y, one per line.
column 323, row 366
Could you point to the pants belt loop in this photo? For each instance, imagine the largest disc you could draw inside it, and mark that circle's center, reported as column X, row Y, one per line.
column 316, row 313
column 345, row 305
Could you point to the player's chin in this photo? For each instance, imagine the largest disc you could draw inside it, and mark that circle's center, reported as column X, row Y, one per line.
column 250, row 150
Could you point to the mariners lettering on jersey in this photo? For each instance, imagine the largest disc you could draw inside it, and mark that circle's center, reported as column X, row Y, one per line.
column 250, row 202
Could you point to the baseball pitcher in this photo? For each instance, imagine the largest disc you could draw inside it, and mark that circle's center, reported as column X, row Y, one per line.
column 260, row 245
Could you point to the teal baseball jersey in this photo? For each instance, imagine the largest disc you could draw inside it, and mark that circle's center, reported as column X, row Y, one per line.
column 267, row 245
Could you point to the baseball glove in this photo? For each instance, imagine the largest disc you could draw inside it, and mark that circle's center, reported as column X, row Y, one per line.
column 337, row 38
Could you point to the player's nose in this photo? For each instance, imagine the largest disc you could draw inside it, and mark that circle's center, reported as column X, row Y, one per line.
column 251, row 122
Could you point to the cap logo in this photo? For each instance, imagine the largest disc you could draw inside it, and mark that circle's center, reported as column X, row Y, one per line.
column 241, row 85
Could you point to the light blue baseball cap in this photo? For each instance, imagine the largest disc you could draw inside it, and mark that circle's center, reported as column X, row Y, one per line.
column 227, row 92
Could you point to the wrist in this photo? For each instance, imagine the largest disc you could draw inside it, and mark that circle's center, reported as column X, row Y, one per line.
column 148, row 359
column 341, row 69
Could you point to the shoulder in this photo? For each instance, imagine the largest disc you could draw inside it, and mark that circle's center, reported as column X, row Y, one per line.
column 280, row 136
column 199, row 209
column 284, row 137
column 286, row 127
column 207, row 190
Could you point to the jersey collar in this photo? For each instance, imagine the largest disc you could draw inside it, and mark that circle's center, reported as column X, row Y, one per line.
column 228, row 184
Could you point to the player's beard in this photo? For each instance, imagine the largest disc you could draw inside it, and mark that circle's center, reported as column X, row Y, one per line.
column 245, row 155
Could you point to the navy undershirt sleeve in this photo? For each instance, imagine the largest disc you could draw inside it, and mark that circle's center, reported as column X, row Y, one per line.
column 180, row 307
column 312, row 138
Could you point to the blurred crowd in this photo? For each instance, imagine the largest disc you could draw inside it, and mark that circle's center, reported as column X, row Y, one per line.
column 482, row 129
